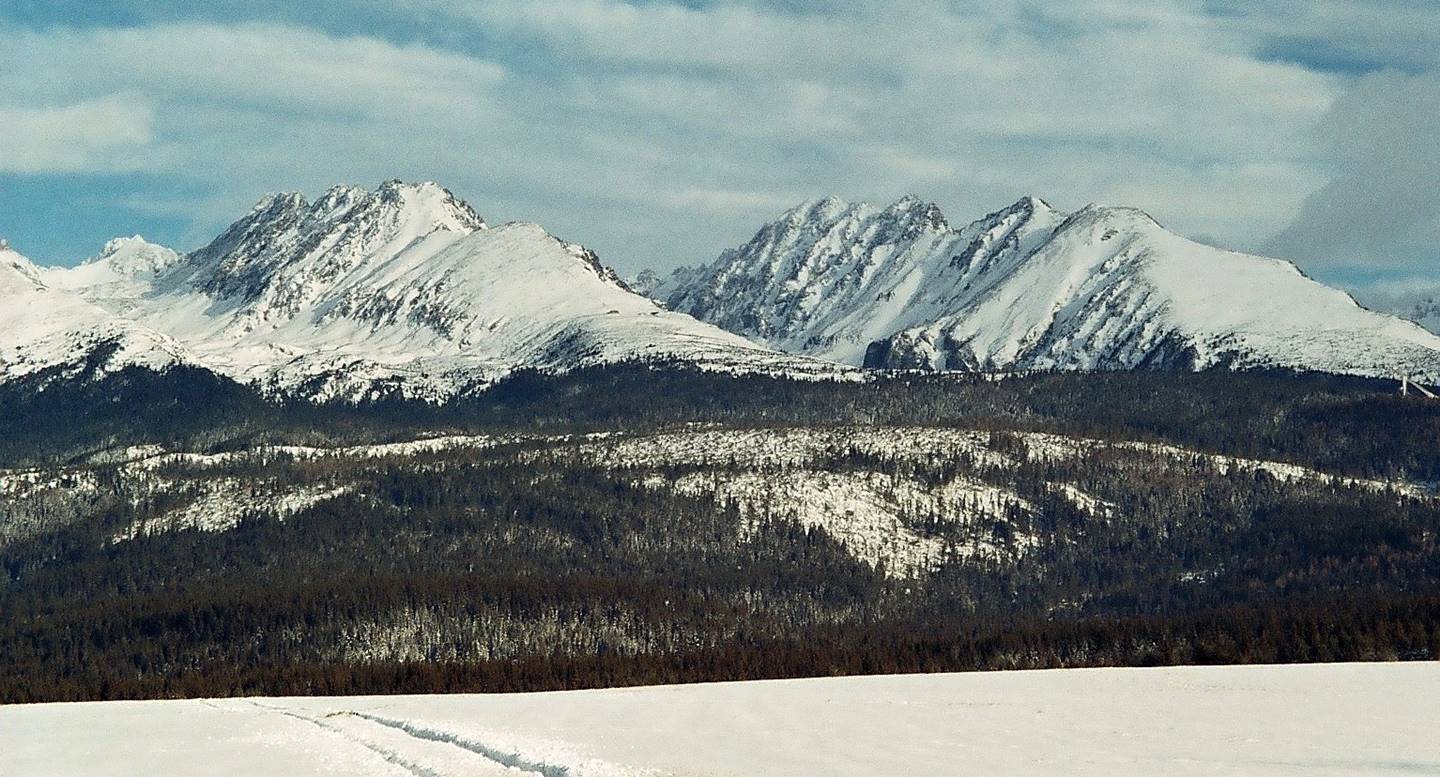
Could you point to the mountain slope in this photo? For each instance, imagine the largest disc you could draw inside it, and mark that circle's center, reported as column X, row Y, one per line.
column 1032, row 288
column 43, row 327
column 403, row 289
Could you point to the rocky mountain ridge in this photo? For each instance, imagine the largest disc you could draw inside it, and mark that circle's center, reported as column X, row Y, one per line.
column 403, row 290
column 1030, row 287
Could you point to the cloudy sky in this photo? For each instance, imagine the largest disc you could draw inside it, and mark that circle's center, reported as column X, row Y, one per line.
column 662, row 132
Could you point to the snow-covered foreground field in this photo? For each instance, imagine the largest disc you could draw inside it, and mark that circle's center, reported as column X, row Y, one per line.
column 1313, row 720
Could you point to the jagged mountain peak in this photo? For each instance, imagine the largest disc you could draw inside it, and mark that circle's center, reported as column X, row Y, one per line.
column 1027, row 286
column 133, row 255
column 1028, row 204
column 1117, row 216
column 819, row 207
column 423, row 200
column 645, row 282
column 336, row 200
column 831, row 209
column 16, row 270
column 117, row 245
column 287, row 250
column 398, row 200
column 277, row 202
column 431, row 198
column 923, row 212
column 830, row 220
column 812, row 216
column 784, row 285
column 1025, row 208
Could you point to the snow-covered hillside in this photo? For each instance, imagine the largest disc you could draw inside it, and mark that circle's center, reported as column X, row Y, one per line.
column 794, row 475
column 1031, row 287
column 1337, row 719
column 43, row 326
column 404, row 288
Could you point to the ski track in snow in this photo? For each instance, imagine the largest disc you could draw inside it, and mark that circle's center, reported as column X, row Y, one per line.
column 431, row 751
column 509, row 760
column 388, row 754
column 412, row 759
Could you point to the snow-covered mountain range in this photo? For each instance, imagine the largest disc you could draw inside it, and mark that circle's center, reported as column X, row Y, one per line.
column 360, row 293
column 1030, row 287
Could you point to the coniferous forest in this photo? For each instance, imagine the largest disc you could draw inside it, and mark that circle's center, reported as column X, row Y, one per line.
column 168, row 535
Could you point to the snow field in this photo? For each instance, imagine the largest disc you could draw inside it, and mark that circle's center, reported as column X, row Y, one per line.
column 1258, row 721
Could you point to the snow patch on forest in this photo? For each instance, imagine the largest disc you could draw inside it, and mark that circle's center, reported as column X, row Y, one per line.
column 871, row 513
column 222, row 504
column 763, row 448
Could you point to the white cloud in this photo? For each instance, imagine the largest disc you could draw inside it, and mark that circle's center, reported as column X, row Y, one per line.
column 261, row 66
column 1381, row 210
column 727, row 200
column 661, row 134
column 967, row 107
column 93, row 134
column 1339, row 34
column 239, row 110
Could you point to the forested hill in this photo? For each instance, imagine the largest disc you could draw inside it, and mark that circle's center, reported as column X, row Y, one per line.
column 176, row 535
column 1344, row 424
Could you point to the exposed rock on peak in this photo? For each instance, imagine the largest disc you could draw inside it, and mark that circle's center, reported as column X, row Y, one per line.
column 287, row 246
